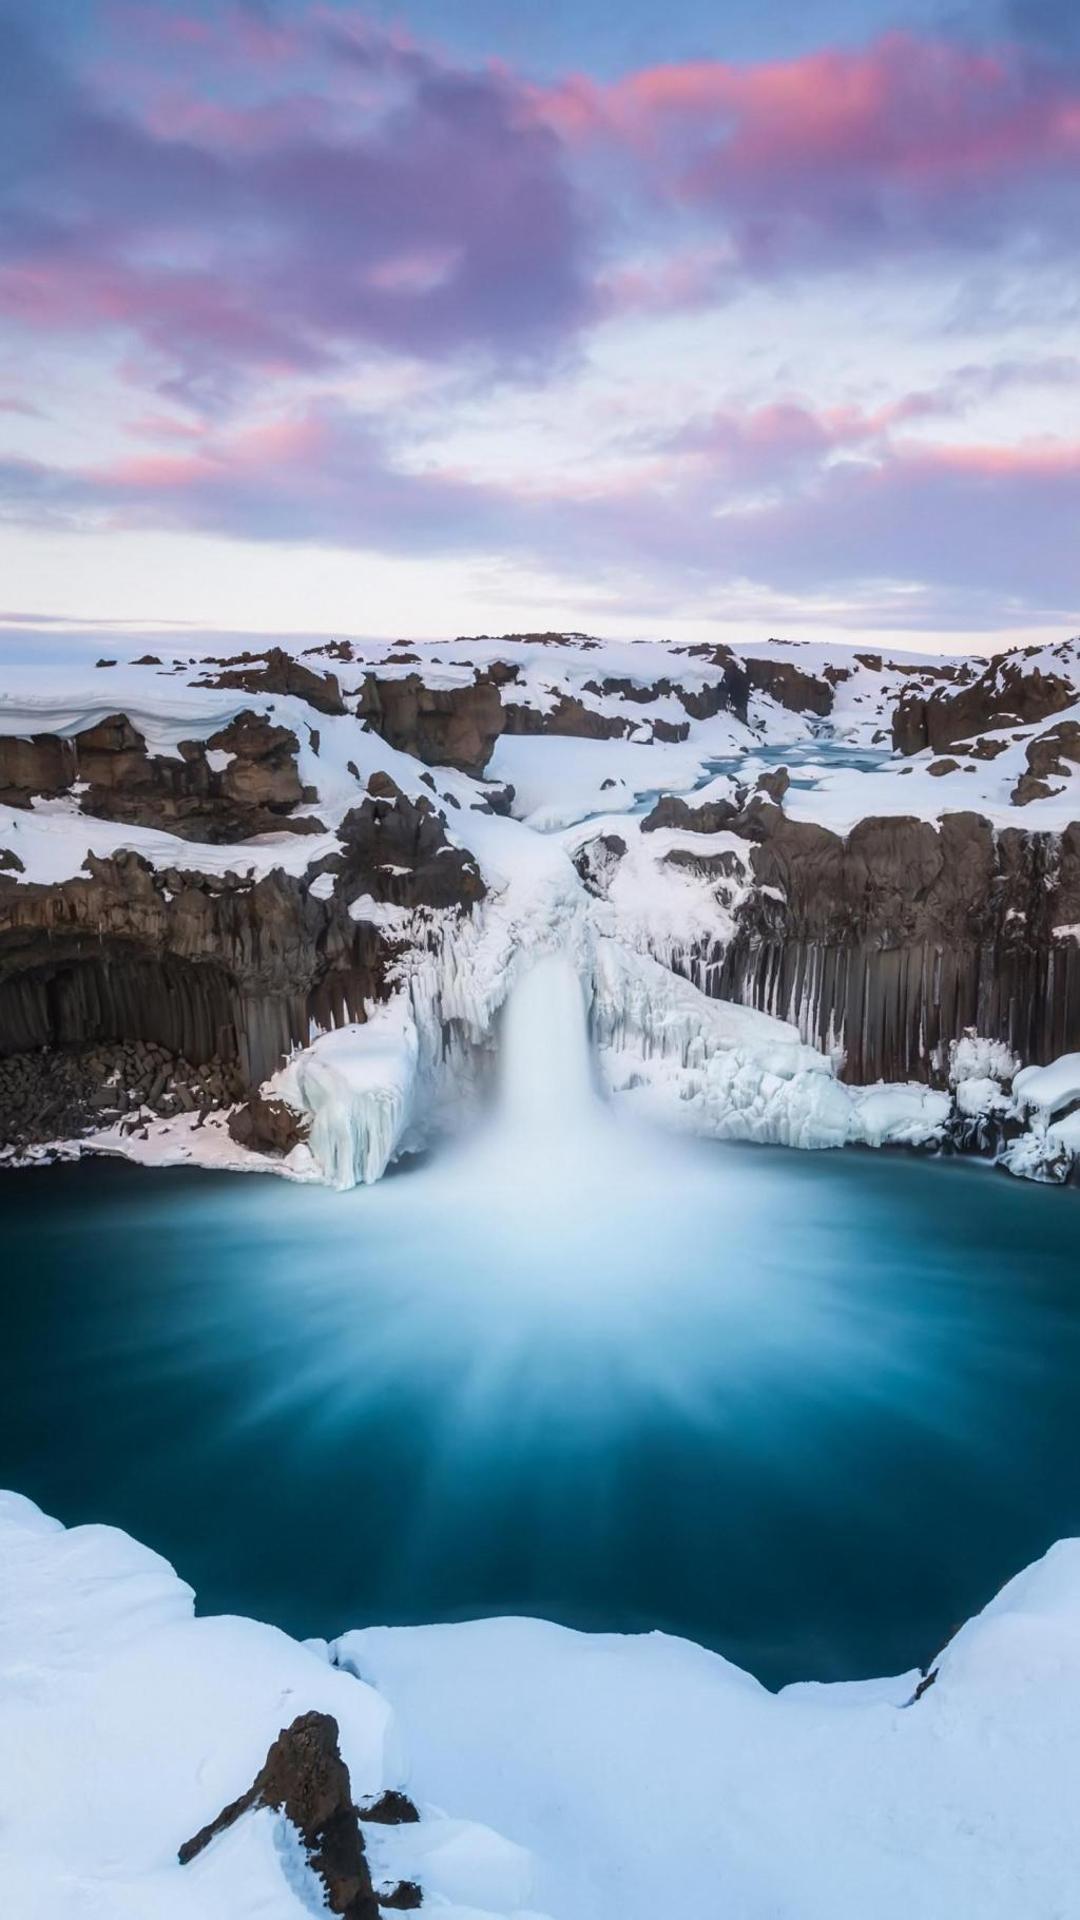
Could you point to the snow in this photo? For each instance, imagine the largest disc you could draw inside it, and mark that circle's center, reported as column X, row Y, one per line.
column 974, row 1057
column 126, row 1724
column 1050, row 1147
column 898, row 1115
column 558, row 781
column 581, row 1776
column 1049, row 1088
column 677, row 1057
column 649, row 1776
column 357, row 1083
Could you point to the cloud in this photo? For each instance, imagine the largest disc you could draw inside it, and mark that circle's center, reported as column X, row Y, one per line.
column 839, row 156
column 790, row 500
column 433, row 216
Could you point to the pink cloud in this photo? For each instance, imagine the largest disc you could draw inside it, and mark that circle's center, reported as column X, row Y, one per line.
column 857, row 146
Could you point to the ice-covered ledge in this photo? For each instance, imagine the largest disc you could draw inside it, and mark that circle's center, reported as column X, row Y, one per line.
column 578, row 1776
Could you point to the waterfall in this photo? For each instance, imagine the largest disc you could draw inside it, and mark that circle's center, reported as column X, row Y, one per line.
column 546, row 1090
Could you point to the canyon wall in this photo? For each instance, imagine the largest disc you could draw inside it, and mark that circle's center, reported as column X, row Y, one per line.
column 890, row 941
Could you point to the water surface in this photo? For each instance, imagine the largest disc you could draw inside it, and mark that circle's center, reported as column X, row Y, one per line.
column 810, row 1409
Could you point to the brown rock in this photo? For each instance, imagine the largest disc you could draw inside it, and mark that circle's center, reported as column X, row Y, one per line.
column 1048, row 753
column 443, row 726
column 305, row 1778
column 775, row 784
column 404, row 1897
column 397, row 850
column 789, row 686
column 278, row 672
column 1029, row 787
column 569, row 717
column 1012, row 690
column 265, row 1124
column 392, row 1809
column 43, row 764
column 712, row 816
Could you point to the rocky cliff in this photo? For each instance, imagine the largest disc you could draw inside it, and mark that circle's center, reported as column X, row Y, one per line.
column 892, row 940
column 223, row 859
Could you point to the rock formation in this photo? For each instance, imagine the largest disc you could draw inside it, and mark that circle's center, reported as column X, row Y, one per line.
column 305, row 1778
column 443, row 726
column 279, row 672
column 895, row 938
column 241, row 781
column 193, row 895
column 1012, row 690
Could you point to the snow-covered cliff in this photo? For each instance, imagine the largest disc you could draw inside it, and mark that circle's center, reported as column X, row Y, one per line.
column 324, row 875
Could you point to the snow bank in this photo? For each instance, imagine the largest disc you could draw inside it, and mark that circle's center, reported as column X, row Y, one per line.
column 652, row 1777
column 583, row 1776
column 357, row 1083
column 1048, row 1089
column 126, row 1724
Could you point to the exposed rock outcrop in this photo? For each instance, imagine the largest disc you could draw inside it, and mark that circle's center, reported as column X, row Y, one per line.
column 278, row 672
column 203, row 964
column 789, row 686
column 60, row 1094
column 895, row 938
column 711, row 816
column 221, row 966
column 265, row 1124
column 392, row 1809
column 1012, row 691
column 397, row 850
column 1052, row 755
column 305, row 1778
column 570, row 716
column 443, row 726
column 243, row 780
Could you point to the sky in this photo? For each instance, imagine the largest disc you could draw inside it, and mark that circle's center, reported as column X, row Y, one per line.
column 698, row 319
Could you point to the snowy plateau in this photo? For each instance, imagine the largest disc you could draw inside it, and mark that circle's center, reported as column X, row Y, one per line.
column 814, row 897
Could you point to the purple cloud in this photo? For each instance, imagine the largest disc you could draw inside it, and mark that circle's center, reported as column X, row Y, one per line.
column 787, row 499
column 433, row 217
column 910, row 144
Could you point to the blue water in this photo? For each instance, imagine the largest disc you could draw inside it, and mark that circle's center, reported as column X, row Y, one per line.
column 807, row 762
column 810, row 1409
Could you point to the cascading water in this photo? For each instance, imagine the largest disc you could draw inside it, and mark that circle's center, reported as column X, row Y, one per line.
column 546, row 1090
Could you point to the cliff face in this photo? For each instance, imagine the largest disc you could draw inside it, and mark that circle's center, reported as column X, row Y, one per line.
column 891, row 940
column 1013, row 691
column 241, row 781
column 221, row 967
column 240, row 856
column 206, row 965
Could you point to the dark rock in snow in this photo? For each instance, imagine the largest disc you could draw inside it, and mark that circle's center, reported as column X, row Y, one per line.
column 392, row 1809
column 712, row 816
column 444, row 726
column 305, row 1778
column 1009, row 692
column 268, row 1125
column 405, row 1897
column 278, row 672
column 775, row 784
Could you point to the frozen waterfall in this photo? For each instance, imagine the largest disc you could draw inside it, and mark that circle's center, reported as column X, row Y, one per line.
column 546, row 1089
